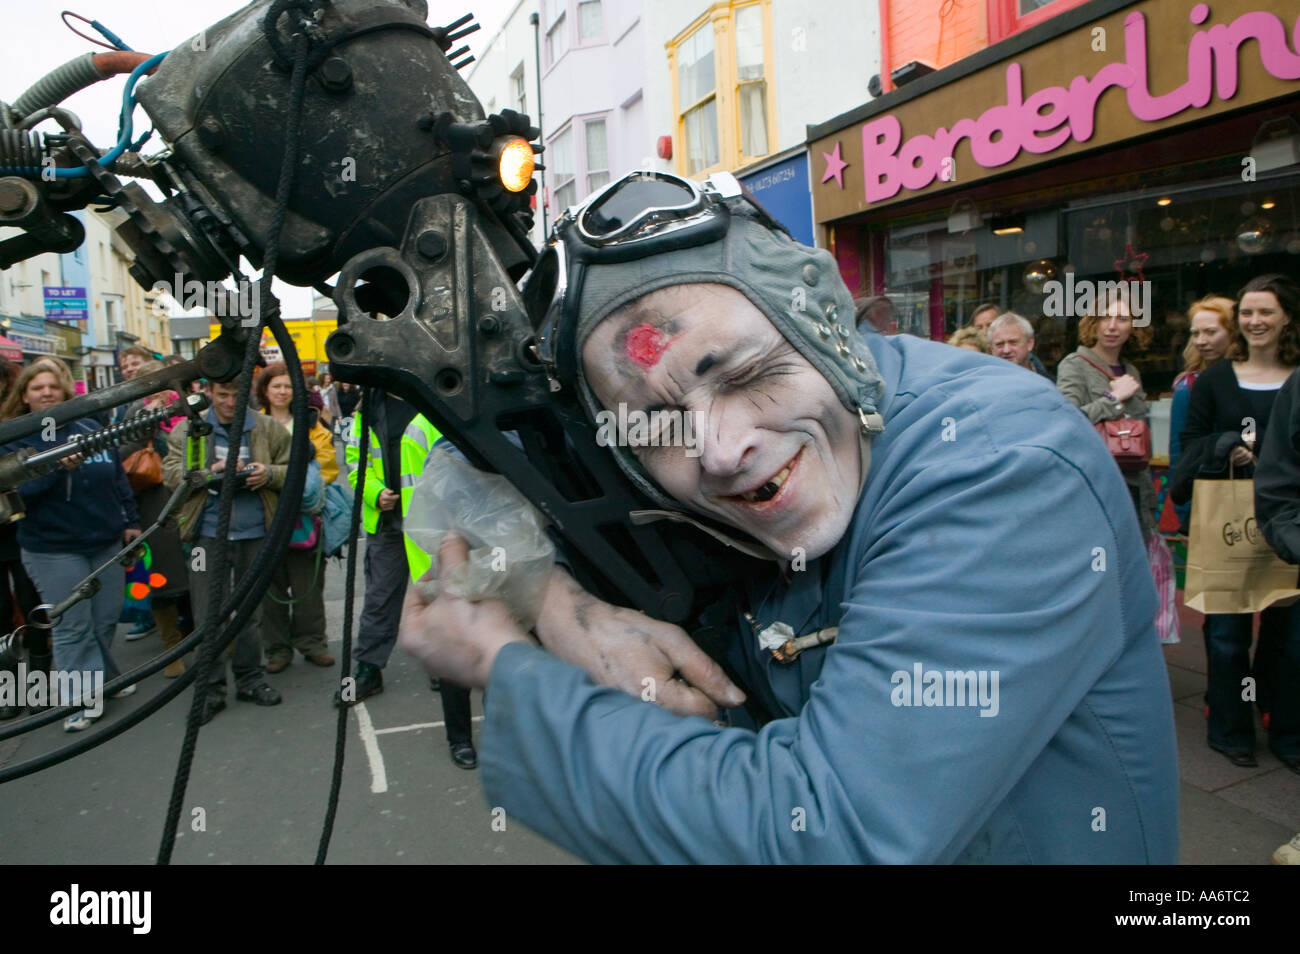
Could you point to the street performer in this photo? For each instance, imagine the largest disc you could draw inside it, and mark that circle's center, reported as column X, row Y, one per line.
column 924, row 704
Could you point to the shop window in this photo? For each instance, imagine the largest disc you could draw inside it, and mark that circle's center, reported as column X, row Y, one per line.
column 721, row 64
column 1007, row 17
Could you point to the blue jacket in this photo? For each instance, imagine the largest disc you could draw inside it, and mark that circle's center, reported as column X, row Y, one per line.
column 76, row 511
column 994, row 536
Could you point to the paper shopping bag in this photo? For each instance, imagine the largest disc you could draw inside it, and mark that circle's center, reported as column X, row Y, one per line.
column 1230, row 566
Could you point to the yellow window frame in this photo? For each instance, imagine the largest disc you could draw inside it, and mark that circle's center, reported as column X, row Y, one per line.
column 726, row 85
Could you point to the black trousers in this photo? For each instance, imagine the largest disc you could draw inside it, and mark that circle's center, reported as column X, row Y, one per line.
column 456, row 712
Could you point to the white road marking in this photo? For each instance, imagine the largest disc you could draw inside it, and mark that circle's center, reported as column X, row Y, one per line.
column 378, row 776
column 419, row 725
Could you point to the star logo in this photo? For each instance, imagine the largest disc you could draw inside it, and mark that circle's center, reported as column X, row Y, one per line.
column 1132, row 262
column 835, row 166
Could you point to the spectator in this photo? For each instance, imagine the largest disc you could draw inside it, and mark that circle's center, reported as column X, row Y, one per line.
column 1218, row 442
column 349, row 397
column 294, row 614
column 983, row 316
column 78, row 517
column 165, row 542
column 1011, row 337
column 1214, row 326
column 18, row 596
column 829, row 451
column 400, row 442
column 1113, row 394
column 876, row 312
column 263, row 456
column 971, row 338
column 330, row 396
column 131, row 358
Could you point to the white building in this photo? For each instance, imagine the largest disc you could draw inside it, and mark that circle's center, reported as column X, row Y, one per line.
column 505, row 76
column 596, row 120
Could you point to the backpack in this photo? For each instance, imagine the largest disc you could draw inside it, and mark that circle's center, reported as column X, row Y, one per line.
column 336, row 516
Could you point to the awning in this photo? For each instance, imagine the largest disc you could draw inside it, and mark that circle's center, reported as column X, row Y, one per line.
column 10, row 349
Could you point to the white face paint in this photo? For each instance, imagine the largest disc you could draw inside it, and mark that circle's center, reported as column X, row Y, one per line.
column 777, row 454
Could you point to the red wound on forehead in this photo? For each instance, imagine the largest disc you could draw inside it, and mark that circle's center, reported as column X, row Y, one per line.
column 645, row 345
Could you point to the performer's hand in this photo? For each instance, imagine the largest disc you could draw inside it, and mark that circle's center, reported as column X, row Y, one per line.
column 627, row 650
column 72, row 461
column 453, row 638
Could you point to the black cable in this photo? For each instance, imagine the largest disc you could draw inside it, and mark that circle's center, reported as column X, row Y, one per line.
column 210, row 650
column 341, row 726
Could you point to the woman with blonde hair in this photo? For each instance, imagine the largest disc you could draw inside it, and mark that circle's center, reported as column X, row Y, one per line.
column 77, row 518
column 1212, row 327
column 970, row 338
column 1099, row 381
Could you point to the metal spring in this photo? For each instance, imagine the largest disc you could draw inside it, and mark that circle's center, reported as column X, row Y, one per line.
column 133, row 428
column 21, row 152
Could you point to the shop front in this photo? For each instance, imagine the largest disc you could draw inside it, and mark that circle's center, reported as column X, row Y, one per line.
column 1151, row 144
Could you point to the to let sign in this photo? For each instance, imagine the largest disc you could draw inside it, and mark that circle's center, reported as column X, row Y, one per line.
column 66, row 303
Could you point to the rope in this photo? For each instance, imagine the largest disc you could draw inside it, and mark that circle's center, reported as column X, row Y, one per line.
column 208, row 655
column 349, row 595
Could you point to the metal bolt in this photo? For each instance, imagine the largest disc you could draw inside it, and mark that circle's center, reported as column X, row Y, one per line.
column 489, row 325
column 431, row 244
column 211, row 133
column 13, row 197
column 335, row 74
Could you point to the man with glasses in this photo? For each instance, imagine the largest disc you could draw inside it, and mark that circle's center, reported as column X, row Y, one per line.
column 907, row 700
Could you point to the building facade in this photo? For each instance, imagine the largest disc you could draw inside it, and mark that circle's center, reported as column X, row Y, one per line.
column 1114, row 141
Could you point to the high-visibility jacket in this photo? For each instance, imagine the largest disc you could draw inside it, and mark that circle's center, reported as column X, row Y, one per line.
column 417, row 441
column 417, row 561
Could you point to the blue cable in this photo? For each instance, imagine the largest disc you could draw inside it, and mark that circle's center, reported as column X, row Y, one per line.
column 110, row 36
column 124, row 138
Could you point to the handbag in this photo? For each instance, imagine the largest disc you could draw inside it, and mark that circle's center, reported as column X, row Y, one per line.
column 1128, row 439
column 1230, row 566
column 307, row 533
column 143, row 468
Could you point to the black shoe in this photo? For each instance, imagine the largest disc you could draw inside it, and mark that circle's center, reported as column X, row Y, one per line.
column 213, row 704
column 463, row 754
column 368, row 681
column 262, row 694
column 1239, row 759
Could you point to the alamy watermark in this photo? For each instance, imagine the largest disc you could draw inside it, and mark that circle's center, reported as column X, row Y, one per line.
column 35, row 688
column 951, row 688
column 660, row 428
column 243, row 301
column 1078, row 299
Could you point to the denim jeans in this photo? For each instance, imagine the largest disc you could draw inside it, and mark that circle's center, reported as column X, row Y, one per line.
column 83, row 636
column 246, row 653
column 1276, row 672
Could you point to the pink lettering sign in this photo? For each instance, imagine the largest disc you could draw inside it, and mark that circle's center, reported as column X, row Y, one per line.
column 1049, row 118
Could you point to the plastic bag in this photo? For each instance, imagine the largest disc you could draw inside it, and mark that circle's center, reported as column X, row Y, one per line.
column 1162, row 571
column 510, row 557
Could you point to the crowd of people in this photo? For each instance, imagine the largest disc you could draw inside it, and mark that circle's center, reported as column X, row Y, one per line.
column 77, row 517
column 1238, row 356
